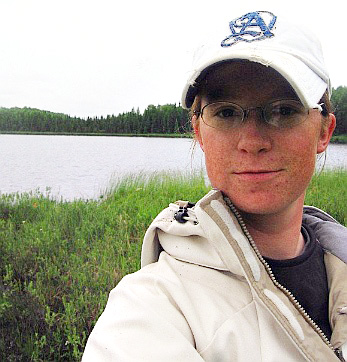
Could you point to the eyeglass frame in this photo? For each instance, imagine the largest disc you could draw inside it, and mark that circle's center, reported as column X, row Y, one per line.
column 245, row 112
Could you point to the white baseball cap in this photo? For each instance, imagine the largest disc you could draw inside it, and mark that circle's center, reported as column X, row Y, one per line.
column 262, row 37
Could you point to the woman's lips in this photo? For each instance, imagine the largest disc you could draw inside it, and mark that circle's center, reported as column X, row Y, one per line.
column 258, row 175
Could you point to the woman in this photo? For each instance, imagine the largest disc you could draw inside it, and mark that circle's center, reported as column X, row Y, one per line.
column 248, row 273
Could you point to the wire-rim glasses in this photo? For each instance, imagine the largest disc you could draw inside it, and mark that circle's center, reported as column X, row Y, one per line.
column 284, row 113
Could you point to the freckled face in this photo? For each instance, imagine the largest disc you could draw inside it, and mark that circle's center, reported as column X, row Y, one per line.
column 262, row 169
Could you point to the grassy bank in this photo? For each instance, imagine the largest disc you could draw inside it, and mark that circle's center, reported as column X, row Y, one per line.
column 59, row 260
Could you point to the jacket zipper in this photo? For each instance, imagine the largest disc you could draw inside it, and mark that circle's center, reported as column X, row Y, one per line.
column 272, row 277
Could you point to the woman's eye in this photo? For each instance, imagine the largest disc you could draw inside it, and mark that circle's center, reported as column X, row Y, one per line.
column 286, row 110
column 226, row 113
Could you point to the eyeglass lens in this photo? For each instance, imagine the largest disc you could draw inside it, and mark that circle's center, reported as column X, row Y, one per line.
column 281, row 113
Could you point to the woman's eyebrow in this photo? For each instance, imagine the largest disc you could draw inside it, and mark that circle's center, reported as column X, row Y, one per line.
column 215, row 94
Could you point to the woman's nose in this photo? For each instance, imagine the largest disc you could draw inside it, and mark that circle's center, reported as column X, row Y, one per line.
column 253, row 137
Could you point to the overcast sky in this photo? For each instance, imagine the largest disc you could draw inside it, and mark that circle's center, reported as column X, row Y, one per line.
column 99, row 57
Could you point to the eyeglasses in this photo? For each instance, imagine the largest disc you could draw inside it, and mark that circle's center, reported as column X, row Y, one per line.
column 280, row 114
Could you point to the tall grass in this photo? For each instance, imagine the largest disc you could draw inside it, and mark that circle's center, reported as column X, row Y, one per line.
column 59, row 260
column 328, row 191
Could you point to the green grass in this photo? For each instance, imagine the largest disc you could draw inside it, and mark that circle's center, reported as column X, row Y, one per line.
column 59, row 260
column 328, row 191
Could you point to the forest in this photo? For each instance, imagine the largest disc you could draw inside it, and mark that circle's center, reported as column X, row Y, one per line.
column 161, row 119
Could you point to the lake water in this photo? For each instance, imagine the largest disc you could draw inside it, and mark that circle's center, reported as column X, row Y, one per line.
column 84, row 166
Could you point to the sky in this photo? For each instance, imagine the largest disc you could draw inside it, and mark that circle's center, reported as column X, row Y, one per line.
column 102, row 57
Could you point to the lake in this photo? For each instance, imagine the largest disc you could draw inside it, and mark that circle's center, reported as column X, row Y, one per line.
column 85, row 166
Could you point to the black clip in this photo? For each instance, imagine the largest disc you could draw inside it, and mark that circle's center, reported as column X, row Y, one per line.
column 181, row 214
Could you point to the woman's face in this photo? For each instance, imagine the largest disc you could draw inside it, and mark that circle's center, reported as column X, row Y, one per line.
column 262, row 169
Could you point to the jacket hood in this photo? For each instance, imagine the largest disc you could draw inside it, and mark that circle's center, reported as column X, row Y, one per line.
column 187, row 241
column 330, row 234
column 200, row 237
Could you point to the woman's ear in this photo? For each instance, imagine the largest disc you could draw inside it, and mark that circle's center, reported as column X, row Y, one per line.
column 196, row 129
column 326, row 133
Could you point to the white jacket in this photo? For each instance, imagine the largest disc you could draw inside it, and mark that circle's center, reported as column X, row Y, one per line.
column 205, row 294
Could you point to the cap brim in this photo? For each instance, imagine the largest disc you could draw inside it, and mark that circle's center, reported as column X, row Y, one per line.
column 308, row 86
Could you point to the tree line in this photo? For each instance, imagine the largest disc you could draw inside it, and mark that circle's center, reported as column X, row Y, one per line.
column 168, row 119
column 161, row 119
column 339, row 101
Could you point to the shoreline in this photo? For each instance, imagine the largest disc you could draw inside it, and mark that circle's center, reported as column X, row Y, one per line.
column 163, row 135
column 336, row 139
column 339, row 139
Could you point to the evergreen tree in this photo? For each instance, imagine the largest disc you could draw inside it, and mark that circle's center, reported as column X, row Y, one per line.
column 339, row 100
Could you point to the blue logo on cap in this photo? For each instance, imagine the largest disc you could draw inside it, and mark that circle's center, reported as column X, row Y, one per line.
column 250, row 27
